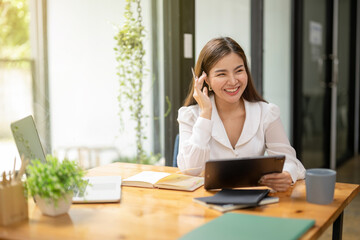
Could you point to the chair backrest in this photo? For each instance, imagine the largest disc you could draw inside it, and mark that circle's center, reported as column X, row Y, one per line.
column 176, row 150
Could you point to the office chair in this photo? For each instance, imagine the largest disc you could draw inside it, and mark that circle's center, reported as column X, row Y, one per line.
column 176, row 150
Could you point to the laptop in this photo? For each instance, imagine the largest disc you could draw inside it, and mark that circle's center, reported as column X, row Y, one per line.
column 240, row 172
column 100, row 188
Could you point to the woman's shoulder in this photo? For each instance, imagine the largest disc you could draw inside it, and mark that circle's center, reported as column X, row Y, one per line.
column 189, row 109
column 269, row 111
column 269, row 107
column 188, row 113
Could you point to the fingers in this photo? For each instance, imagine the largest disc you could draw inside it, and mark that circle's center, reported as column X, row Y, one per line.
column 280, row 187
column 199, row 81
column 198, row 84
column 277, row 181
column 277, row 176
column 202, row 96
column 205, row 91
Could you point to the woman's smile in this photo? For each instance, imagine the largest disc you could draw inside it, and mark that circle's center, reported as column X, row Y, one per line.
column 232, row 91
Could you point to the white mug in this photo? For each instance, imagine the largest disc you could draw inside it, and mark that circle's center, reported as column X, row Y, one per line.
column 320, row 185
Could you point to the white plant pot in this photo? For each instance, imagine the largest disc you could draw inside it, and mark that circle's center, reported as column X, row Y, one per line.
column 48, row 207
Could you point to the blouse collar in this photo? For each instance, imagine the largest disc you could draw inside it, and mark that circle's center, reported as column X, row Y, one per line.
column 251, row 124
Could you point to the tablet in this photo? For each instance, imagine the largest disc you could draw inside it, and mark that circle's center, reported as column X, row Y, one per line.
column 240, row 172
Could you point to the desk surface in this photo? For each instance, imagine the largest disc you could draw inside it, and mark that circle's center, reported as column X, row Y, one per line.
column 164, row 214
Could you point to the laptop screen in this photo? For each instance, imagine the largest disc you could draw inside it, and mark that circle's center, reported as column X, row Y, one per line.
column 100, row 188
column 27, row 139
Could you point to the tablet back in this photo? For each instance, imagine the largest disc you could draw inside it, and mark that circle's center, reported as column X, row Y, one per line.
column 241, row 172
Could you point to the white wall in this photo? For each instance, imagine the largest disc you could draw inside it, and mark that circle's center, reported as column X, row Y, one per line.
column 277, row 62
column 225, row 18
column 82, row 74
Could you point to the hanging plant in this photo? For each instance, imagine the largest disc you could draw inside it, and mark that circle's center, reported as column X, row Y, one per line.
column 130, row 54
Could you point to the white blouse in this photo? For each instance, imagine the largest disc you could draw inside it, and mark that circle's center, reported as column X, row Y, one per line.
column 202, row 139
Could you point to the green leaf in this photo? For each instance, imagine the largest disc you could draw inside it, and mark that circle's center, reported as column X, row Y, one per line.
column 53, row 179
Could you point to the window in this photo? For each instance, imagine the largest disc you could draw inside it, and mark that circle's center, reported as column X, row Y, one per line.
column 15, row 74
column 83, row 85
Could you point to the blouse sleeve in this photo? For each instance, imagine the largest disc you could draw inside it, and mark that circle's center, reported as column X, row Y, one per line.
column 194, row 138
column 277, row 143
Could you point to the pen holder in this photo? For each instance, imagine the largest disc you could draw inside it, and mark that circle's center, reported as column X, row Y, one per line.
column 13, row 203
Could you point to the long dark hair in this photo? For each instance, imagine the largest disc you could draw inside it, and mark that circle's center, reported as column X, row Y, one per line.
column 211, row 53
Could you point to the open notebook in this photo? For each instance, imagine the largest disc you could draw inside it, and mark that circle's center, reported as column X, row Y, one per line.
column 151, row 179
column 99, row 189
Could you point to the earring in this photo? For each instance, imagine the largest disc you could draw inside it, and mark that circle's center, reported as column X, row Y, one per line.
column 210, row 89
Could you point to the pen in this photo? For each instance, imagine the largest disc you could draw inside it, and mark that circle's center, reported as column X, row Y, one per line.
column 193, row 73
column 4, row 179
column 22, row 169
column 14, row 173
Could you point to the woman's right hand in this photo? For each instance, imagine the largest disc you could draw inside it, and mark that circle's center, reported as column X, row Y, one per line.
column 202, row 97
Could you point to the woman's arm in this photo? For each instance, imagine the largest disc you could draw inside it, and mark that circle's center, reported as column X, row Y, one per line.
column 195, row 131
column 194, row 138
column 277, row 143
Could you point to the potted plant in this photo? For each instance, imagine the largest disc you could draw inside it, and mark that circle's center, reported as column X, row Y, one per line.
column 52, row 184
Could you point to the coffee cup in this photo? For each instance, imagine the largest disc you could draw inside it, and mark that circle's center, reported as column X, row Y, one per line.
column 320, row 185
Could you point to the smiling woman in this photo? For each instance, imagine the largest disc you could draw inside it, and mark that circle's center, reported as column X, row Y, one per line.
column 224, row 117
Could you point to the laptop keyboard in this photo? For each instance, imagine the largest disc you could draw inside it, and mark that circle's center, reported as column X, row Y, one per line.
column 77, row 192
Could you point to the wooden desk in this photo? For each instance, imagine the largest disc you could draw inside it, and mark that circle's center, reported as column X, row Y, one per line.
column 164, row 214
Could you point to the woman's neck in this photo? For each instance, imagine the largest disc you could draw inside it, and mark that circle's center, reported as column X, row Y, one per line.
column 228, row 108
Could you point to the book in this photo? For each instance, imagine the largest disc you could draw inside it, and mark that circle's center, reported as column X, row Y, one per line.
column 229, row 207
column 151, row 179
column 249, row 197
column 254, row 227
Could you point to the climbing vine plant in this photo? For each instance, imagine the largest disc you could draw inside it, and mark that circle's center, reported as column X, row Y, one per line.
column 130, row 57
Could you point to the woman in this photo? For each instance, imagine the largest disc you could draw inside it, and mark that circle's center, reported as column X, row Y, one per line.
column 224, row 117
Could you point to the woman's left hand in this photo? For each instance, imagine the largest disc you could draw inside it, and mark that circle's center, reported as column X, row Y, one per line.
column 277, row 181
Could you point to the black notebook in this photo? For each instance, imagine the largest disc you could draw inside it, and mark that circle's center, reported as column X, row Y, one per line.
column 249, row 197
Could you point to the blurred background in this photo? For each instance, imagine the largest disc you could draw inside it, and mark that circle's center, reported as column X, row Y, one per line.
column 57, row 62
